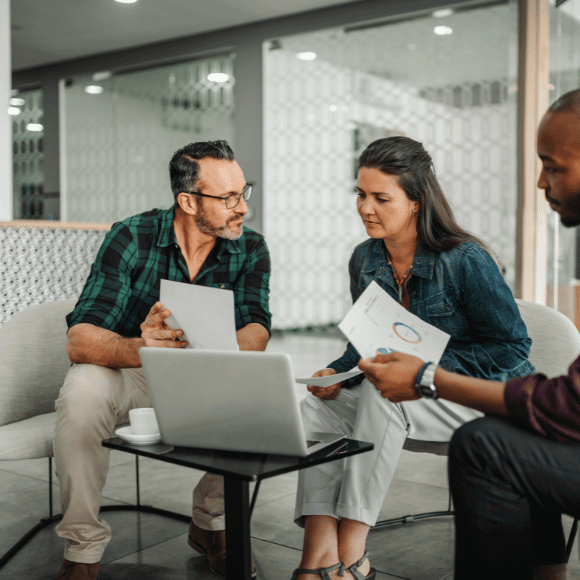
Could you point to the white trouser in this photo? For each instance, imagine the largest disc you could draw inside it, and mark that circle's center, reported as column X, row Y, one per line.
column 92, row 402
column 355, row 487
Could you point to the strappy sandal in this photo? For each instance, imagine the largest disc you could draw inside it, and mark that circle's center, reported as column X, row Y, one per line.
column 322, row 572
column 354, row 569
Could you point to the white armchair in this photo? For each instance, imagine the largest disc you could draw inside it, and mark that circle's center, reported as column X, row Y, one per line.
column 33, row 365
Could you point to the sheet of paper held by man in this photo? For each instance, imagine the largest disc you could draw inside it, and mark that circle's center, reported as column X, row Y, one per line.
column 377, row 322
column 206, row 315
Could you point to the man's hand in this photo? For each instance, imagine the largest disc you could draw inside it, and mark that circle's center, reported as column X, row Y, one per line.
column 155, row 332
column 393, row 375
column 326, row 393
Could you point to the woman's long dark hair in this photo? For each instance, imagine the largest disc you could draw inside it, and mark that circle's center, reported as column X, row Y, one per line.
column 408, row 160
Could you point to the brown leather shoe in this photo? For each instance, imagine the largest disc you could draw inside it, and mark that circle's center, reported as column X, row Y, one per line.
column 78, row 571
column 213, row 545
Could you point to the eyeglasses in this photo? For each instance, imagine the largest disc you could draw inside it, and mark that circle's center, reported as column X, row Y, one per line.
column 232, row 200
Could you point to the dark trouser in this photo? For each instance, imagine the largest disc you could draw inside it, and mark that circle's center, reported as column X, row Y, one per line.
column 510, row 488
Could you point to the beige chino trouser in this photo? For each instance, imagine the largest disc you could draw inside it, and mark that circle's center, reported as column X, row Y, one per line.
column 92, row 402
column 356, row 487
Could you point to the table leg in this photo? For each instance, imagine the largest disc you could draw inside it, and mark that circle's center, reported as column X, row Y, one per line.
column 238, row 550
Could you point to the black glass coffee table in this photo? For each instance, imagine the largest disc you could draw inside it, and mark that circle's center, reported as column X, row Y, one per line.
column 239, row 469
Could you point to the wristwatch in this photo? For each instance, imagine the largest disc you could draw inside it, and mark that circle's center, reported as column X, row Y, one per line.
column 424, row 385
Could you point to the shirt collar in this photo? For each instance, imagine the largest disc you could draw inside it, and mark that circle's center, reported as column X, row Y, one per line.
column 423, row 261
column 167, row 235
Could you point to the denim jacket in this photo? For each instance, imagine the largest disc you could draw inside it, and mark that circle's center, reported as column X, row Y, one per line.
column 461, row 292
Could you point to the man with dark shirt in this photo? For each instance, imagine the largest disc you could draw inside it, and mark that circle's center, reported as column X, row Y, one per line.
column 200, row 240
column 514, row 472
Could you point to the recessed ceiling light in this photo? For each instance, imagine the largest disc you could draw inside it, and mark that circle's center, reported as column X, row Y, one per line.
column 17, row 102
column 34, row 127
column 306, row 56
column 13, row 111
column 126, row 1
column 442, row 13
column 218, row 77
column 93, row 89
column 443, row 30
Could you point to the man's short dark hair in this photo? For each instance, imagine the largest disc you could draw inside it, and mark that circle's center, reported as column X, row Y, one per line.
column 184, row 166
column 569, row 102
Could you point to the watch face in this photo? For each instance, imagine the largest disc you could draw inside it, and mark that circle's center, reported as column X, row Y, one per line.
column 428, row 391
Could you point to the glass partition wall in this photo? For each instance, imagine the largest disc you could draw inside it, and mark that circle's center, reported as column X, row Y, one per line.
column 563, row 272
column 447, row 80
column 26, row 110
column 121, row 131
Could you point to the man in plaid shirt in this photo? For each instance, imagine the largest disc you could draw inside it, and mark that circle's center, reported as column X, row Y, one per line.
column 200, row 240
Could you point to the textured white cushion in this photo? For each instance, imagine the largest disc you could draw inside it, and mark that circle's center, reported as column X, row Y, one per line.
column 28, row 439
column 33, row 364
column 33, row 360
column 555, row 338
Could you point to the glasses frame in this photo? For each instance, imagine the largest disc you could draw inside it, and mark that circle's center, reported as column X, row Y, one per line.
column 246, row 194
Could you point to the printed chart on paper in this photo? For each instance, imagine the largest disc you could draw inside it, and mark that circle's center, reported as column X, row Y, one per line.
column 377, row 322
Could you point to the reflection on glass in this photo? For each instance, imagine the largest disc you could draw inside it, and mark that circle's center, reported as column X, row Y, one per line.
column 27, row 156
column 455, row 92
column 122, row 131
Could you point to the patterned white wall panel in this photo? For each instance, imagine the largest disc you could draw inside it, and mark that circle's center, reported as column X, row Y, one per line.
column 120, row 141
column 321, row 113
column 27, row 155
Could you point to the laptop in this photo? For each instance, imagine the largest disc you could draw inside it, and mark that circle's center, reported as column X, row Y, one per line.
column 228, row 400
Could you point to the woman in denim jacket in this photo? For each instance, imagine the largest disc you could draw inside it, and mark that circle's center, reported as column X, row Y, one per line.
column 420, row 256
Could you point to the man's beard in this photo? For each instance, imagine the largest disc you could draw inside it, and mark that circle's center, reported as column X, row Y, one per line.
column 570, row 222
column 206, row 227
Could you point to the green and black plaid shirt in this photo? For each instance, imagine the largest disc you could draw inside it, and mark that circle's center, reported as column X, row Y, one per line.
column 140, row 251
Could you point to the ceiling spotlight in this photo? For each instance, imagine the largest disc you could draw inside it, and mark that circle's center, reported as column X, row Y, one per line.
column 443, row 30
column 442, row 13
column 218, row 77
column 34, row 127
column 17, row 102
column 13, row 111
column 93, row 89
column 306, row 56
column 102, row 76
column 126, row 1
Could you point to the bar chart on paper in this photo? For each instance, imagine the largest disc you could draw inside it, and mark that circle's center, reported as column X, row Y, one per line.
column 377, row 323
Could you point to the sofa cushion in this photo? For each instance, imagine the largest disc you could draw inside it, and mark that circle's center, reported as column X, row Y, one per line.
column 28, row 439
column 33, row 360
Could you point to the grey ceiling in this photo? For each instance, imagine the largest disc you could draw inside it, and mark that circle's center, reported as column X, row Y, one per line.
column 46, row 31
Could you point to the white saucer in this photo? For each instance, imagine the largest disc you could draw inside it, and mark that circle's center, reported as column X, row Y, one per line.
column 126, row 433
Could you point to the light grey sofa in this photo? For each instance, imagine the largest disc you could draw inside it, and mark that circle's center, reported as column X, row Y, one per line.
column 33, row 365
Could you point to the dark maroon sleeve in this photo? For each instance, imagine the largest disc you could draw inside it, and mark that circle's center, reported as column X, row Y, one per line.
column 550, row 407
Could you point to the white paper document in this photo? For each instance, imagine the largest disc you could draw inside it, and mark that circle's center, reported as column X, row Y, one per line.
column 377, row 322
column 328, row 381
column 206, row 315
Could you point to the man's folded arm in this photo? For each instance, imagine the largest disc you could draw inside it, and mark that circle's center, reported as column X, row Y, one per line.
column 90, row 344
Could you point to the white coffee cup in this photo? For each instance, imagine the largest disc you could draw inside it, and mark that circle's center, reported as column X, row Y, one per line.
column 143, row 421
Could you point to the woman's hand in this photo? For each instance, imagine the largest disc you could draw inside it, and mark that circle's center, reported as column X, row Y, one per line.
column 326, row 393
column 393, row 375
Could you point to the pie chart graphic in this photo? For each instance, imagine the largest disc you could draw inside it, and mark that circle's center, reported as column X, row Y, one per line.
column 406, row 333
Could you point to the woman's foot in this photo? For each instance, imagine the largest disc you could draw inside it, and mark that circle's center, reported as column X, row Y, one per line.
column 362, row 565
column 364, row 568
